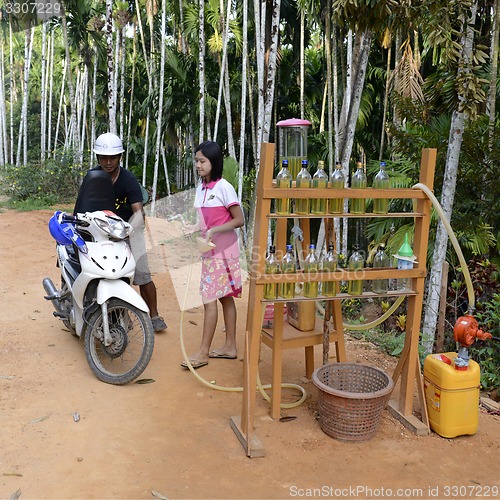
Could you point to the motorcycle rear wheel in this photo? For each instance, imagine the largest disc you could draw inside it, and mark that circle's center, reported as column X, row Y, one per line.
column 132, row 346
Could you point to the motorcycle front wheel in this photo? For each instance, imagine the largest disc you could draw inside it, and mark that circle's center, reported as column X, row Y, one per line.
column 131, row 348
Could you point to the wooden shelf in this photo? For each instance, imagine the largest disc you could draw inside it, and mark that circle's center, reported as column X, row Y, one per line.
column 294, row 338
column 343, row 296
column 368, row 215
column 344, row 193
column 368, row 274
column 284, row 336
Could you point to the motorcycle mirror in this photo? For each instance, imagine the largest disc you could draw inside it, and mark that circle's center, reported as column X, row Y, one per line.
column 95, row 193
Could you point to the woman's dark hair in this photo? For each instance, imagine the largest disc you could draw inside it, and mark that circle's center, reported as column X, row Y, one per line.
column 213, row 152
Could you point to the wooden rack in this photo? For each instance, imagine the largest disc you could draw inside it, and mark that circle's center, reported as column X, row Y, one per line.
column 407, row 371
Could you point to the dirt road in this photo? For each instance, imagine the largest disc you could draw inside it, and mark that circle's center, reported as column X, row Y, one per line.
column 172, row 437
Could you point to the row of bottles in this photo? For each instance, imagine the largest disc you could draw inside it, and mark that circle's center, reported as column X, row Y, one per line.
column 288, row 266
column 328, row 263
column 319, row 206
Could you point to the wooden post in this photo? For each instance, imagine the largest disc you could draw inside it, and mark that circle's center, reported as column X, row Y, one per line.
column 409, row 364
column 244, row 427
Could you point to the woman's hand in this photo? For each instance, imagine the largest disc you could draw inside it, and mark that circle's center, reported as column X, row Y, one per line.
column 209, row 234
column 190, row 229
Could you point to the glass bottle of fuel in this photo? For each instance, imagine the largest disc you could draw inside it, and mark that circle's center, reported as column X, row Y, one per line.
column 319, row 181
column 311, row 266
column 381, row 260
column 381, row 181
column 303, row 180
column 272, row 267
column 359, row 181
column 329, row 264
column 337, row 181
column 287, row 290
column 356, row 262
column 283, row 180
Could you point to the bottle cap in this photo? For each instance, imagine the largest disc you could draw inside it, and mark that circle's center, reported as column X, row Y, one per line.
column 382, row 163
column 312, row 246
column 272, row 249
column 330, row 247
column 284, row 163
column 289, row 247
column 304, row 163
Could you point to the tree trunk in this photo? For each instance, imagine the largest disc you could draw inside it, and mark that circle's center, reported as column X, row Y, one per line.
column 111, row 67
column 260, row 37
column 149, row 65
column 3, row 112
column 83, row 127
column 93, row 103
column 243, row 100
column 43, row 95
column 71, row 89
column 271, row 70
column 386, row 102
column 302, row 62
column 165, row 169
column 159, row 129
column 201, row 68
column 23, row 123
column 222, row 69
column 131, row 97
column 491, row 102
column 447, row 198
column 122, row 81
column 350, row 109
column 60, row 109
column 229, row 114
column 12, row 92
column 50, row 78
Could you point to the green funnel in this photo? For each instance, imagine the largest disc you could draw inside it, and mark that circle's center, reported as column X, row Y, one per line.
column 405, row 250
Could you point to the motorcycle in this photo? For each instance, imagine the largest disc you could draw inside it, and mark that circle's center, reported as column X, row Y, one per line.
column 96, row 301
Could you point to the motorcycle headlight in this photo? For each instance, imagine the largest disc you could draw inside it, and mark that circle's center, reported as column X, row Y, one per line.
column 116, row 228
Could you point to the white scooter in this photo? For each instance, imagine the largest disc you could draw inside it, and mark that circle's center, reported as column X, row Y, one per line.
column 96, row 301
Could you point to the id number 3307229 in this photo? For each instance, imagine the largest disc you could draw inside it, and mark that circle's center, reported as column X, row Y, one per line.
column 42, row 9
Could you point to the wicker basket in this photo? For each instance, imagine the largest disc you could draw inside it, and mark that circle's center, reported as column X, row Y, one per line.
column 351, row 399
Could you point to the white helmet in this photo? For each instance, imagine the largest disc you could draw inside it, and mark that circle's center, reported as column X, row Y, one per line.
column 108, row 144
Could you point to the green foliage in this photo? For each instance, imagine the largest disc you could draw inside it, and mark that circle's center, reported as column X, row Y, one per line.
column 230, row 172
column 55, row 181
column 487, row 353
column 485, row 278
column 390, row 342
column 352, row 308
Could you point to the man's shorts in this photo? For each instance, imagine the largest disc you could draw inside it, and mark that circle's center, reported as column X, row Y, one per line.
column 137, row 243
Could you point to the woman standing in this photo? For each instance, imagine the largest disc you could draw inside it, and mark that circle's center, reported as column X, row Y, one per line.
column 219, row 215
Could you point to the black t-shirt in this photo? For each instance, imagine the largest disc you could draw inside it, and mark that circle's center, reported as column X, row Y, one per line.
column 127, row 191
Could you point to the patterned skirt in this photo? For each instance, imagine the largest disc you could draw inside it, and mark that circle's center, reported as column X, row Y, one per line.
column 220, row 278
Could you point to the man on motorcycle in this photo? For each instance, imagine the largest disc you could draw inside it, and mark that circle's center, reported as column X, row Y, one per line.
column 129, row 206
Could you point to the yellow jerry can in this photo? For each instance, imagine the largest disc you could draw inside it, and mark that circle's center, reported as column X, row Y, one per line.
column 452, row 395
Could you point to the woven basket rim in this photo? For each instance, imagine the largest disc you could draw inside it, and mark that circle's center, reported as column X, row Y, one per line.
column 353, row 395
